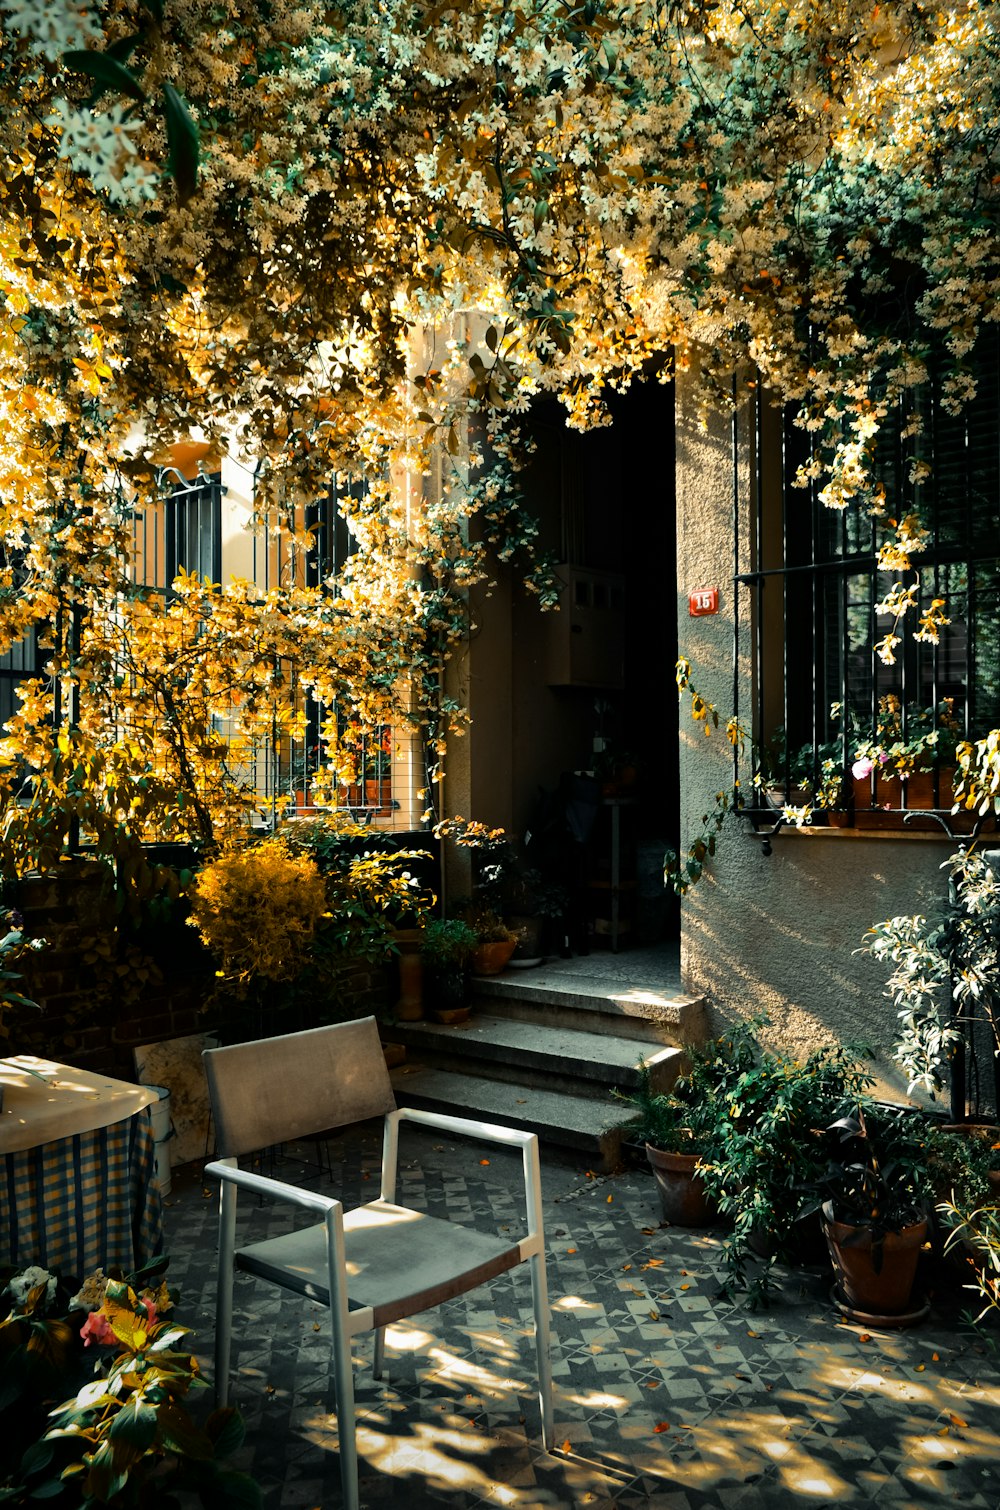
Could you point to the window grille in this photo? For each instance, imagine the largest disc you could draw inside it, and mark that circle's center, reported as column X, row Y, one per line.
column 815, row 583
column 17, row 665
column 183, row 533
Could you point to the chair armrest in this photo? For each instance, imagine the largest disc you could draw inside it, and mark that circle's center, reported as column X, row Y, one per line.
column 262, row 1184
column 488, row 1132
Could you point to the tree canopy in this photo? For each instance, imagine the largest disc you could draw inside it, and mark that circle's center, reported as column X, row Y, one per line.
column 346, row 236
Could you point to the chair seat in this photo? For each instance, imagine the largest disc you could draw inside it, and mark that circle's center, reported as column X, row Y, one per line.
column 398, row 1261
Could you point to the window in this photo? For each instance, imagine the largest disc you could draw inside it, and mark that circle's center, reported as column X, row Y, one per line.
column 816, row 585
column 192, row 528
column 185, row 532
column 16, row 665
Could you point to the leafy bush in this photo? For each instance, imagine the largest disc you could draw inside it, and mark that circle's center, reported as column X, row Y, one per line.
column 122, row 1435
column 257, row 909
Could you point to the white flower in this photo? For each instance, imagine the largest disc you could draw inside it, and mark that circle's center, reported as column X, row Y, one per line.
column 100, row 145
column 21, row 1285
column 53, row 27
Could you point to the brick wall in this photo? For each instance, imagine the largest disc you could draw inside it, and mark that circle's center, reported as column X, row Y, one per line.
column 101, row 995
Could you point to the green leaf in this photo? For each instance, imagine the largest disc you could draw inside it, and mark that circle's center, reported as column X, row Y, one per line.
column 183, row 143
column 227, row 1430
column 134, row 1426
column 108, row 72
column 38, row 1456
column 179, row 1432
column 236, row 1491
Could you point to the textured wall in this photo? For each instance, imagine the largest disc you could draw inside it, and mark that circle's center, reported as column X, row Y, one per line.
column 777, row 932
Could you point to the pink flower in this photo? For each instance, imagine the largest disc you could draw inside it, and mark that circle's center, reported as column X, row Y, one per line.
column 861, row 768
column 97, row 1329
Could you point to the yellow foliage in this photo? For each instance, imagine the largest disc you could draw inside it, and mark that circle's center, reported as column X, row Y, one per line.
column 257, row 909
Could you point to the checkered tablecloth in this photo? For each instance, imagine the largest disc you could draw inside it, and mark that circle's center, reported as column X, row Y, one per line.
column 84, row 1202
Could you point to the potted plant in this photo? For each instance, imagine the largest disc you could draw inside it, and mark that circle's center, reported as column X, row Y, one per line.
column 803, row 781
column 507, row 884
column 771, row 1150
column 875, row 1211
column 495, row 942
column 910, row 751
column 446, row 946
column 677, row 1130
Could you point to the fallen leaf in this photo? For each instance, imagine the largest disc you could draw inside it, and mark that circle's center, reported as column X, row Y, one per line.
column 685, row 1287
column 652, row 1383
column 945, row 1431
column 316, row 1326
column 753, row 1334
column 484, row 1161
column 921, row 1367
column 567, row 1446
column 625, row 1268
column 865, row 1337
column 570, row 1250
column 662, row 1426
column 610, row 1199
column 654, row 1315
column 521, row 1101
column 935, row 1358
column 653, row 1263
column 649, row 1231
column 588, row 1174
column 956, row 1420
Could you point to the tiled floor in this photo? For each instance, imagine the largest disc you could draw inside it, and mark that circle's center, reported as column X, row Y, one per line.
column 666, row 1397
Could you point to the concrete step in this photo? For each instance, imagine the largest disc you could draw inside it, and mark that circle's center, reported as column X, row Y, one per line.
column 595, row 1005
column 585, row 1123
column 539, row 1054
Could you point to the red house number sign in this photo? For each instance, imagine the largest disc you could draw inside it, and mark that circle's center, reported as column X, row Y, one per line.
column 706, row 600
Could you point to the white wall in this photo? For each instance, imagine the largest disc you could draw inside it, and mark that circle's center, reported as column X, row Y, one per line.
column 777, row 933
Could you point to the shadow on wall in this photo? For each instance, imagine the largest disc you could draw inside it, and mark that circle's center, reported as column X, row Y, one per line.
column 780, row 935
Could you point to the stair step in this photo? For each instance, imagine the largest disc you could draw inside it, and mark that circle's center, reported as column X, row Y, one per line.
column 565, row 1121
column 587, row 1003
column 503, row 1047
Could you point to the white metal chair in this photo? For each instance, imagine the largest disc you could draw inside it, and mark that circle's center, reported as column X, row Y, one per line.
column 373, row 1265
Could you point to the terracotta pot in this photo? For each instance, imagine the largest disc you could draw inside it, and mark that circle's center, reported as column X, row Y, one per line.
column 410, row 1006
column 682, row 1190
column 916, row 794
column 886, row 1293
column 489, row 959
column 446, row 993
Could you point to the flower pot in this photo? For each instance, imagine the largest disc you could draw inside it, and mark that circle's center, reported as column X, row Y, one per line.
column 490, row 959
column 410, row 1005
column 446, row 993
column 682, row 1190
column 528, row 946
column 885, row 1292
column 916, row 793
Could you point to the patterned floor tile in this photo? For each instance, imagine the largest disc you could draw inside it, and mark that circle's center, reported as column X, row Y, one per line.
column 666, row 1397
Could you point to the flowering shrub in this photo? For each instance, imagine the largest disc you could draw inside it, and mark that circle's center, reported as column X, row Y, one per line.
column 907, row 740
column 257, row 909
column 123, row 1436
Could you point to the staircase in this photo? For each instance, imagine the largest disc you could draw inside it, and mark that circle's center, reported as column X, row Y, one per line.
column 545, row 1048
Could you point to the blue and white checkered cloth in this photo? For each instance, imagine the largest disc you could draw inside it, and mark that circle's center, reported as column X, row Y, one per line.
column 85, row 1202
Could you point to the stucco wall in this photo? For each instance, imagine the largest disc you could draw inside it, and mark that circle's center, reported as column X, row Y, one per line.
column 775, row 933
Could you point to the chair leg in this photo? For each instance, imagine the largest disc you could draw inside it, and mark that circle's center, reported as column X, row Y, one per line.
column 343, row 1378
column 379, row 1359
column 224, row 1292
column 540, row 1304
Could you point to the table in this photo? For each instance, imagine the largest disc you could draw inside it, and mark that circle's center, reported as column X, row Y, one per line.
column 77, row 1190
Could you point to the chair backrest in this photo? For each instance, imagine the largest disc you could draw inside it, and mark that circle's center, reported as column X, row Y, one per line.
column 276, row 1089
